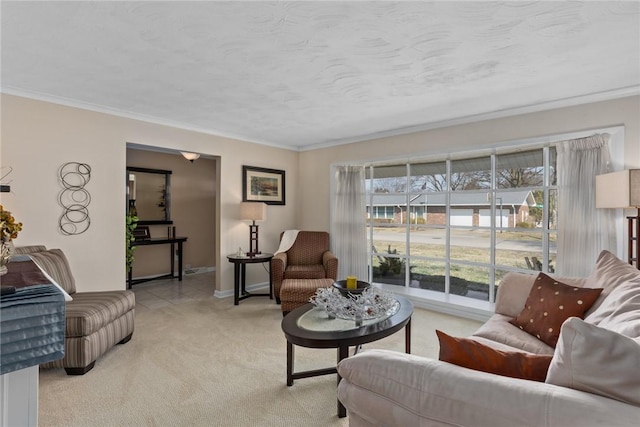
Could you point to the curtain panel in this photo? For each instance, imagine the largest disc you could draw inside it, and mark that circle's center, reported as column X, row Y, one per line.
column 348, row 230
column 583, row 230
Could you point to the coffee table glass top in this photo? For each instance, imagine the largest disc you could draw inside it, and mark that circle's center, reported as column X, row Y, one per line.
column 317, row 319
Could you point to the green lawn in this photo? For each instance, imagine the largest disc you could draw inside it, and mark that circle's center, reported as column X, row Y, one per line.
column 506, row 257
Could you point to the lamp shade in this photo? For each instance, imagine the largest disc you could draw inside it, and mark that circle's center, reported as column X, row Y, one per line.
column 253, row 211
column 618, row 189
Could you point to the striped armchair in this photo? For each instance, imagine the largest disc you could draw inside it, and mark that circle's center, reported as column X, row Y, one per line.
column 309, row 258
column 95, row 321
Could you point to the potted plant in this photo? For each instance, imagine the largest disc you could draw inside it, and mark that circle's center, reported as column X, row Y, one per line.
column 9, row 230
column 132, row 223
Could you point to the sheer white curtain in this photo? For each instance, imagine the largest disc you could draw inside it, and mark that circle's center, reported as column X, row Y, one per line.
column 348, row 230
column 583, row 230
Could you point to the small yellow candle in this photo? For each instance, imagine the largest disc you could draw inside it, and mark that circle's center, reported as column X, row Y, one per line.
column 352, row 282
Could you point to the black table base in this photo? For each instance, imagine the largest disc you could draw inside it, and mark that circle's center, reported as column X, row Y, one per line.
column 240, row 273
column 341, row 340
column 172, row 242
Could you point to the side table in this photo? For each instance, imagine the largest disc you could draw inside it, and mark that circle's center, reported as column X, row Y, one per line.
column 239, row 275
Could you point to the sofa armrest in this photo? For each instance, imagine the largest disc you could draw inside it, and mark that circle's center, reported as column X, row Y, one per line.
column 330, row 264
column 387, row 388
column 278, row 265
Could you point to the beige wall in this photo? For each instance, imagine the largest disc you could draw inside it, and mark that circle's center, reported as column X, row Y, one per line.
column 315, row 165
column 38, row 137
column 193, row 196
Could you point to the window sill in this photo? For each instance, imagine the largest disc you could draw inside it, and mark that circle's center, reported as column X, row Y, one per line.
column 454, row 305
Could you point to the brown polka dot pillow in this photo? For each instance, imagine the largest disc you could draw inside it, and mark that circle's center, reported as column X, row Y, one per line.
column 549, row 304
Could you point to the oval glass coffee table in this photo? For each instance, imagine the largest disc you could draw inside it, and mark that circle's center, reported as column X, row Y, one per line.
column 311, row 327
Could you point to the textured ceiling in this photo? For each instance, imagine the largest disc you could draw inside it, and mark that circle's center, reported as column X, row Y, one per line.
column 310, row 74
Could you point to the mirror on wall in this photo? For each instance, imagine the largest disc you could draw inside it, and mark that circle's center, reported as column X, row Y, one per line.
column 149, row 195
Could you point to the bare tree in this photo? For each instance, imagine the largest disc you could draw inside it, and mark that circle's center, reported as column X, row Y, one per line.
column 521, row 177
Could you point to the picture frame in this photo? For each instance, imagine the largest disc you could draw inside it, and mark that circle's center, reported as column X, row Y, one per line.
column 141, row 232
column 263, row 185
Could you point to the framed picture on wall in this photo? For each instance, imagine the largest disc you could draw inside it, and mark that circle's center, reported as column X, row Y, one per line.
column 263, row 185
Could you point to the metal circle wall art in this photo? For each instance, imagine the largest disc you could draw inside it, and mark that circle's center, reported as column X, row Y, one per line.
column 74, row 198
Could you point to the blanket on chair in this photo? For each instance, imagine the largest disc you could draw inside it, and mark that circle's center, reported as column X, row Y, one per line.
column 288, row 239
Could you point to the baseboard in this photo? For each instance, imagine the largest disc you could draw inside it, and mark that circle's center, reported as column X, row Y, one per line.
column 251, row 288
column 198, row 270
column 185, row 272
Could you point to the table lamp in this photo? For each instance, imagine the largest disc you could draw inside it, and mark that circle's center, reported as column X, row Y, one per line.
column 253, row 211
column 621, row 190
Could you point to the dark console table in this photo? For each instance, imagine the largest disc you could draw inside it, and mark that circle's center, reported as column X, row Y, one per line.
column 173, row 241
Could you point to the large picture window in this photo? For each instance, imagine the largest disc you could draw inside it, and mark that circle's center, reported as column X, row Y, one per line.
column 455, row 227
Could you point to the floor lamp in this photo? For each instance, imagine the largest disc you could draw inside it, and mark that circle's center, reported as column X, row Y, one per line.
column 253, row 211
column 622, row 190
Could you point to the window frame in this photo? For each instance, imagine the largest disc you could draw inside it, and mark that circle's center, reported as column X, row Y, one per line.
column 453, row 304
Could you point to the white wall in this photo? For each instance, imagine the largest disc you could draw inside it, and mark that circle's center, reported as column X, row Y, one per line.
column 315, row 164
column 39, row 137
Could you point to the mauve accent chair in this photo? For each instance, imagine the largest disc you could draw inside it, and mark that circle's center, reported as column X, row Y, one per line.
column 310, row 257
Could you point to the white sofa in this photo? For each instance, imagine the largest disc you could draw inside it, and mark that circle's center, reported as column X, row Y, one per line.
column 593, row 378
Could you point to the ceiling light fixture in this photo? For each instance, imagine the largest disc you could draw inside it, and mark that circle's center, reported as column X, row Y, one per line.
column 190, row 156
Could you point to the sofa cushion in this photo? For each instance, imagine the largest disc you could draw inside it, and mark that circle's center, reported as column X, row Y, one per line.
column 389, row 388
column 55, row 264
column 596, row 360
column 499, row 330
column 90, row 311
column 618, row 308
column 549, row 304
column 474, row 355
column 504, row 347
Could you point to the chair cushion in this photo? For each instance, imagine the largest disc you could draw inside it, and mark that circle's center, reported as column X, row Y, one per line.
column 90, row 311
column 26, row 250
column 55, row 264
column 308, row 248
column 296, row 292
column 305, row 272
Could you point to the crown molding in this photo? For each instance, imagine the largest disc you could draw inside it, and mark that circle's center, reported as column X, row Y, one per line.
column 508, row 112
column 68, row 102
column 532, row 108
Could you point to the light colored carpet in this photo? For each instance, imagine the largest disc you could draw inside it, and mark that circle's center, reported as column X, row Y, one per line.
column 205, row 362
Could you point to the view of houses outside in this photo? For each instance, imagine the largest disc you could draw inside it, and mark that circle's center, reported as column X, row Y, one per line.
column 460, row 225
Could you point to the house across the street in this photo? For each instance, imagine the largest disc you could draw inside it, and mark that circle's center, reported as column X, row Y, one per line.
column 467, row 209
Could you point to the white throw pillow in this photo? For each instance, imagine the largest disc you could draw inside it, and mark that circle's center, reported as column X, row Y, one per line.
column 596, row 360
column 618, row 307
